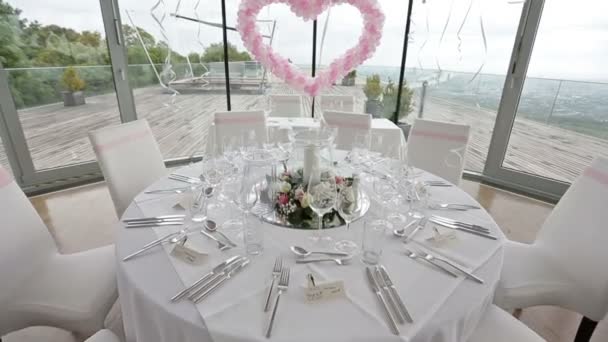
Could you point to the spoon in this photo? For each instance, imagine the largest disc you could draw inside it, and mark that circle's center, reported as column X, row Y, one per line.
column 341, row 262
column 303, row 253
column 211, row 227
column 401, row 232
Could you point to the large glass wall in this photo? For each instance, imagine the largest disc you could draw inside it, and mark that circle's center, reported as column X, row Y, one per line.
column 458, row 59
column 173, row 50
column 60, row 78
column 3, row 158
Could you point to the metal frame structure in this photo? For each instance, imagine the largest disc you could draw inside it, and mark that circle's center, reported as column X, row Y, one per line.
column 31, row 179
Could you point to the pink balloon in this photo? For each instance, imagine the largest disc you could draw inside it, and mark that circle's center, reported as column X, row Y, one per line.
column 373, row 22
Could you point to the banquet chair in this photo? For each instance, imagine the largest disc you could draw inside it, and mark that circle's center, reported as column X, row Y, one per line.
column 343, row 103
column 41, row 287
column 246, row 127
column 565, row 266
column 439, row 148
column 129, row 158
column 497, row 325
column 349, row 125
column 285, row 105
column 104, row 335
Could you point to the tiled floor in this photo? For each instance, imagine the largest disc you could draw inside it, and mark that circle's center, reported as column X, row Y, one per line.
column 82, row 218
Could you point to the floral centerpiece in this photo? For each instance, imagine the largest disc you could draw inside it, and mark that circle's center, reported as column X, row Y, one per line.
column 292, row 202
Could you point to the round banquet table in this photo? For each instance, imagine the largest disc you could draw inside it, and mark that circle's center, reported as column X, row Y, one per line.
column 444, row 308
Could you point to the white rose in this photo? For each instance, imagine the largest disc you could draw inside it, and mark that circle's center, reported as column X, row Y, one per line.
column 285, row 187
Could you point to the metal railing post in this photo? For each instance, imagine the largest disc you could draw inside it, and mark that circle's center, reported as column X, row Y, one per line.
column 425, row 84
column 559, row 87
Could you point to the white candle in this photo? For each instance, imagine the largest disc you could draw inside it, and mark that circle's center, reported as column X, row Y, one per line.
column 311, row 164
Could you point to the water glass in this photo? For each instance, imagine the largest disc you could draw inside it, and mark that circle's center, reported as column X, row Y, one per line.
column 374, row 236
column 253, row 235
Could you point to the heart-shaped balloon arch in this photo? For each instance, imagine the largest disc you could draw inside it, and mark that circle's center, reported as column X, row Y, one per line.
column 373, row 21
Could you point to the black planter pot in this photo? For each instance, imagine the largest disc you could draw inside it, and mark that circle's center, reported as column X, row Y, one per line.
column 71, row 99
column 348, row 81
column 375, row 108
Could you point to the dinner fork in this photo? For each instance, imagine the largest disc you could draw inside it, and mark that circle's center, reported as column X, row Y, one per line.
column 276, row 272
column 283, row 285
column 414, row 256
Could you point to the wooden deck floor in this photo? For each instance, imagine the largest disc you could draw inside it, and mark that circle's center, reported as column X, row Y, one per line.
column 57, row 136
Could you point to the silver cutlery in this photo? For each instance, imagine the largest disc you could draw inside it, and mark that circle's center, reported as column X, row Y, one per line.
column 154, row 224
column 276, row 272
column 211, row 227
column 400, row 232
column 217, row 274
column 420, row 226
column 229, row 272
column 460, row 223
column 302, row 252
column 340, row 262
column 414, row 256
column 387, row 295
column 185, row 179
column 437, row 183
column 452, row 206
column 373, row 282
column 204, row 279
column 283, row 285
column 394, row 294
column 155, row 243
column 167, row 191
column 466, row 230
column 469, row 275
column 154, row 218
column 222, row 246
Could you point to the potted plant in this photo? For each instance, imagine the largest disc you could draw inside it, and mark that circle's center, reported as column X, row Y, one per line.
column 406, row 105
column 73, row 85
column 373, row 91
column 349, row 79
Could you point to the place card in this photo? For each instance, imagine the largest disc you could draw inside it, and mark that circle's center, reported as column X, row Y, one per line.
column 183, row 201
column 325, row 291
column 439, row 238
column 188, row 255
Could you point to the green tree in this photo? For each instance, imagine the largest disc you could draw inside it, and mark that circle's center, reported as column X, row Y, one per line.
column 215, row 53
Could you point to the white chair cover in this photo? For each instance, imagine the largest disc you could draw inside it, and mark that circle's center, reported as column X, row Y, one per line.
column 439, row 148
column 238, row 125
column 343, row 103
column 565, row 266
column 129, row 158
column 348, row 125
column 103, row 336
column 498, row 326
column 39, row 286
column 286, row 105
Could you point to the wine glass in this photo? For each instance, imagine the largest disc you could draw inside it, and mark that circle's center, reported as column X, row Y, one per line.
column 321, row 199
column 350, row 206
column 248, row 197
column 213, row 175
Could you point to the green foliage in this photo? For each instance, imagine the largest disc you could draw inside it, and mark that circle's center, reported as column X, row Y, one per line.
column 194, row 57
column 373, row 88
column 215, row 53
column 71, row 80
column 389, row 98
column 352, row 74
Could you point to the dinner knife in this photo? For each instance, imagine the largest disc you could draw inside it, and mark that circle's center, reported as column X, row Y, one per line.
column 376, row 289
column 467, row 230
column 154, row 224
column 388, row 296
column 214, row 278
column 394, row 294
column 162, row 217
column 206, row 277
column 460, row 223
column 224, row 277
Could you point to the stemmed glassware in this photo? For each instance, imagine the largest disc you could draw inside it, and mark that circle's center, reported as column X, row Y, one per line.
column 322, row 199
column 248, row 196
column 350, row 206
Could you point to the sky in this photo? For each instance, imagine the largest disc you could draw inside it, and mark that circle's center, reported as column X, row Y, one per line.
column 572, row 42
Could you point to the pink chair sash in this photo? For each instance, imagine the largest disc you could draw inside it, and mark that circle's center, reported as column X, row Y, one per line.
column 597, row 175
column 121, row 140
column 5, row 178
column 440, row 136
column 237, row 120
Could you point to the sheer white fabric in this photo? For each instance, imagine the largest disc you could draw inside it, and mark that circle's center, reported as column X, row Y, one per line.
column 39, row 286
column 439, row 147
column 343, row 103
column 103, row 336
column 286, row 105
column 497, row 325
column 565, row 266
column 129, row 158
column 239, row 126
column 349, row 125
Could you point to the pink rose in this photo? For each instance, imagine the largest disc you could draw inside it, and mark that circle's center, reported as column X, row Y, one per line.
column 283, row 199
column 299, row 194
column 339, row 180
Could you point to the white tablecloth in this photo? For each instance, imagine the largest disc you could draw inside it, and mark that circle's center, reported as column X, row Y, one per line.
column 391, row 133
column 443, row 308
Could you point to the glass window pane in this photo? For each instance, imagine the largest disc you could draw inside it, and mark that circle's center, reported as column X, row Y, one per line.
column 458, row 58
column 562, row 119
column 60, row 77
column 3, row 159
column 172, row 47
column 251, row 85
